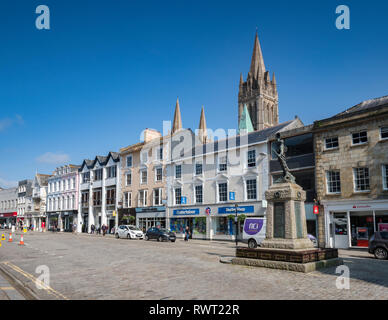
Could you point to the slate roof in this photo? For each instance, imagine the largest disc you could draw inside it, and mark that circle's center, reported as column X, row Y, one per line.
column 365, row 106
column 253, row 137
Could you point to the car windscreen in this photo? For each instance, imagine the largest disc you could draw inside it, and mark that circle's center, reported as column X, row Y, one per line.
column 384, row 235
column 164, row 230
column 133, row 228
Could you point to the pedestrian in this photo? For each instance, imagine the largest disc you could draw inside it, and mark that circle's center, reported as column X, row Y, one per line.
column 92, row 228
column 104, row 227
column 187, row 233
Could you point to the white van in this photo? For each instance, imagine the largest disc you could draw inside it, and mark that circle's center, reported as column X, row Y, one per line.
column 254, row 231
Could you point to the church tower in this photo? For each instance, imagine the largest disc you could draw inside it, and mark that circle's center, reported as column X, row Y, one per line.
column 259, row 93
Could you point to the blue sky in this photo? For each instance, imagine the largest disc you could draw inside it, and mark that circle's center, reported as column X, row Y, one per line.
column 107, row 70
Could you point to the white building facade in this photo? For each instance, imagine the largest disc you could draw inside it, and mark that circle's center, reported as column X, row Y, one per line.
column 24, row 202
column 205, row 185
column 36, row 213
column 62, row 198
column 99, row 185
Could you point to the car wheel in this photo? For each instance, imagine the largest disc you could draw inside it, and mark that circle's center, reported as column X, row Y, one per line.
column 160, row 238
column 172, row 240
column 252, row 244
column 128, row 236
column 147, row 238
column 117, row 236
column 381, row 253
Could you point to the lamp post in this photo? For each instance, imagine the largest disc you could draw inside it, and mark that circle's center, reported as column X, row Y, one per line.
column 235, row 221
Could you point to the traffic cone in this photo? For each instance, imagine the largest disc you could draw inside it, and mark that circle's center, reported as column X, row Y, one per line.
column 21, row 243
column 2, row 237
column 10, row 237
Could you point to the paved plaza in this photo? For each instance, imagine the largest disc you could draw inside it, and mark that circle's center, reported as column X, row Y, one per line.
column 96, row 267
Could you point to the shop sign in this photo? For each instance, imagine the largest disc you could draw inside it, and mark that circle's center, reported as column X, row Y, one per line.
column 149, row 209
column 208, row 211
column 184, row 212
column 183, row 200
column 6, row 215
column 360, row 207
column 232, row 196
column 232, row 210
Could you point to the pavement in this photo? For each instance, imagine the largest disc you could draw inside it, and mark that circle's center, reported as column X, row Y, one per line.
column 61, row 266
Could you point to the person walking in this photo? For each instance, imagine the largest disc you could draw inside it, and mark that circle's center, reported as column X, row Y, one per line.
column 187, row 233
column 92, row 228
column 103, row 230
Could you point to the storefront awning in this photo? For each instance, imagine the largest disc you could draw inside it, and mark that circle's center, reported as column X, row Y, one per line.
column 8, row 214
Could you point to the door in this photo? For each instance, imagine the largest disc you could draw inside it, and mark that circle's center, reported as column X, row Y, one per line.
column 341, row 237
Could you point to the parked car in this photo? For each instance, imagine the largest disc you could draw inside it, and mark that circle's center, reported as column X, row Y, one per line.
column 160, row 234
column 129, row 232
column 378, row 245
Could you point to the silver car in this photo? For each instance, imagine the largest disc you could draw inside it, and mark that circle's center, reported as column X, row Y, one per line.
column 129, row 232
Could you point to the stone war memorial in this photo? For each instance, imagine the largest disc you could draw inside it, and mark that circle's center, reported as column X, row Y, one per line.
column 286, row 245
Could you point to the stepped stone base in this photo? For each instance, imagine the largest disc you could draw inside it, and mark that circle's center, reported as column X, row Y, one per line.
column 290, row 266
column 301, row 260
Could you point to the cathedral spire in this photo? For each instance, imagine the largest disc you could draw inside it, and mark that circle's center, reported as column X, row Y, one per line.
column 245, row 126
column 177, row 124
column 202, row 132
column 257, row 63
column 273, row 79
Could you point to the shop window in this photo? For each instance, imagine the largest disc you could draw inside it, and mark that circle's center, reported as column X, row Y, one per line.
column 199, row 226
column 224, row 226
column 381, row 219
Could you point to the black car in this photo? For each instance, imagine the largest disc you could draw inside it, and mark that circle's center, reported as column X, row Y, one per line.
column 160, row 234
column 378, row 245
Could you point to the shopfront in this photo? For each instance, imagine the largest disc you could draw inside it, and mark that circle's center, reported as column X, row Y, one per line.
column 214, row 222
column 53, row 221
column 149, row 217
column 352, row 224
column 8, row 218
column 68, row 220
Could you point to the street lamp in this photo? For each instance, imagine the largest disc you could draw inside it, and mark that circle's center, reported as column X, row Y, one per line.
column 235, row 221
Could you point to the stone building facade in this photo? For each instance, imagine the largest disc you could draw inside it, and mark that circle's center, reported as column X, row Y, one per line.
column 351, row 153
column 143, row 181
